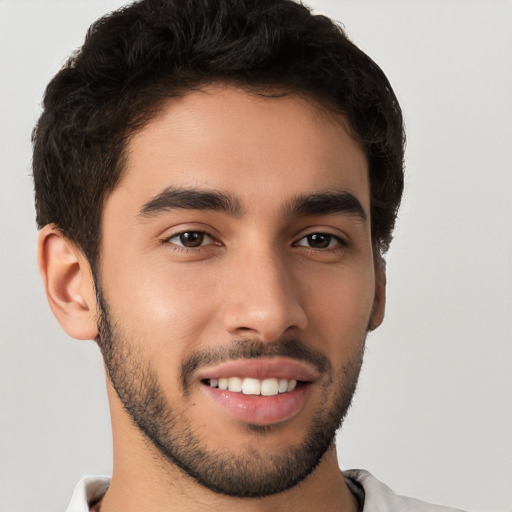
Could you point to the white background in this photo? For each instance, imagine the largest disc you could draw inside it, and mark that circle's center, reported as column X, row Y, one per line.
column 433, row 413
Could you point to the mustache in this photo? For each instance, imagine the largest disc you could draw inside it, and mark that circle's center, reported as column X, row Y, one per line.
column 253, row 349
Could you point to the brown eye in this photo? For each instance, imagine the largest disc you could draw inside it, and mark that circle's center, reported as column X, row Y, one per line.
column 320, row 241
column 191, row 239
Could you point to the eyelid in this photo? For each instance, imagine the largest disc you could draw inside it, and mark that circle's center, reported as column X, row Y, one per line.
column 167, row 240
column 332, row 231
column 206, row 238
column 341, row 242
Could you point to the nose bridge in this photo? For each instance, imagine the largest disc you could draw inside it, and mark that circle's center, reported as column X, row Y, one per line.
column 263, row 297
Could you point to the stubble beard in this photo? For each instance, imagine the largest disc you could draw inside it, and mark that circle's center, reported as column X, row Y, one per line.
column 244, row 475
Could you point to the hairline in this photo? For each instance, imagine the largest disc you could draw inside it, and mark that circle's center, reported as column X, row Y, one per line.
column 267, row 91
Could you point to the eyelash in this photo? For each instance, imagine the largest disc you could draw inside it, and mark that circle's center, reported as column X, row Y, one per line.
column 341, row 243
column 183, row 248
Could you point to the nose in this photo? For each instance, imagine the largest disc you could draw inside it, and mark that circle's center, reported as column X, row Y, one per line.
column 261, row 297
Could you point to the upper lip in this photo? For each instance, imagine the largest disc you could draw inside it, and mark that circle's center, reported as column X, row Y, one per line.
column 261, row 368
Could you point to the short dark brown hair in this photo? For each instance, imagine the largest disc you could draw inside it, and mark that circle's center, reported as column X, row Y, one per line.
column 139, row 56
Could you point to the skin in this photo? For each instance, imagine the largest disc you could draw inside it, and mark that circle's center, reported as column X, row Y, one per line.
column 255, row 277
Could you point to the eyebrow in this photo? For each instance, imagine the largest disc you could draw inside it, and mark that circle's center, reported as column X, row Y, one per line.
column 320, row 203
column 325, row 203
column 173, row 198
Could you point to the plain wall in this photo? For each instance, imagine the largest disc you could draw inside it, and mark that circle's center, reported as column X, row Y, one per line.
column 433, row 413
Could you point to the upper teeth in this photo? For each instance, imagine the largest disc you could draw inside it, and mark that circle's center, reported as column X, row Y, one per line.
column 249, row 386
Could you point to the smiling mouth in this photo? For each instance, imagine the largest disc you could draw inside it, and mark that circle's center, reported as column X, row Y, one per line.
column 252, row 386
column 264, row 391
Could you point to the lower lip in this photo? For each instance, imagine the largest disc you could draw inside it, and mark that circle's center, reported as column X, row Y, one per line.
column 257, row 409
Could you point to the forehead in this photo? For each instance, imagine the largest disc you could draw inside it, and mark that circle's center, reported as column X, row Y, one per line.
column 253, row 147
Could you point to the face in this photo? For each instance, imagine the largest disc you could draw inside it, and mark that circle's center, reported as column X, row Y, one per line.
column 237, row 286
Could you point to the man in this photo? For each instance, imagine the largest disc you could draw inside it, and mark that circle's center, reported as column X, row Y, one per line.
column 216, row 184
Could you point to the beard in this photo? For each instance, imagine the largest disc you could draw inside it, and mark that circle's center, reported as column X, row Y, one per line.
column 248, row 473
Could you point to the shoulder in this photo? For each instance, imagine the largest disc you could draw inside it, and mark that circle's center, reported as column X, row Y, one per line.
column 380, row 498
column 88, row 491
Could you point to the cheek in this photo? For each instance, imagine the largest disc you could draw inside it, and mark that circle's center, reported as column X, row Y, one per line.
column 339, row 307
column 161, row 309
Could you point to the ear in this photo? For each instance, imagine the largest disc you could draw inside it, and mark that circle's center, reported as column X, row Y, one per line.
column 379, row 302
column 68, row 282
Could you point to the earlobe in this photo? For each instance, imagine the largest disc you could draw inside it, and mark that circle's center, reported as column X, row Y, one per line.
column 68, row 283
column 379, row 302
